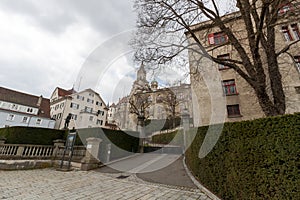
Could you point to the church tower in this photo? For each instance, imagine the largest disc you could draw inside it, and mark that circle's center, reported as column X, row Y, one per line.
column 141, row 82
column 141, row 73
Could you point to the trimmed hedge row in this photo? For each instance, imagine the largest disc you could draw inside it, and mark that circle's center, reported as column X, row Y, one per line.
column 164, row 138
column 256, row 159
column 154, row 125
column 31, row 135
column 122, row 143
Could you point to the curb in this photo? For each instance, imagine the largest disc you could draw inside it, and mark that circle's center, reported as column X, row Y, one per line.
column 199, row 185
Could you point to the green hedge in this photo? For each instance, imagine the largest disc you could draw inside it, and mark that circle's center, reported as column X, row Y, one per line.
column 153, row 125
column 31, row 135
column 122, row 143
column 256, row 159
column 163, row 138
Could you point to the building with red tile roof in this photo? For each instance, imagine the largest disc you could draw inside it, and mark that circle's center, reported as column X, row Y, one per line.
column 85, row 108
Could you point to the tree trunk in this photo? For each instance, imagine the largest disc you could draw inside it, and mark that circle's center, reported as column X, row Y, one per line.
column 265, row 102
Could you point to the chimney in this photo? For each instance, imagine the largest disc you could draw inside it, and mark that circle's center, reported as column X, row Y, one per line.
column 39, row 101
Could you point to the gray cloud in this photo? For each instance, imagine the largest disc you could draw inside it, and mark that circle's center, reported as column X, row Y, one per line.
column 108, row 17
column 44, row 43
column 111, row 16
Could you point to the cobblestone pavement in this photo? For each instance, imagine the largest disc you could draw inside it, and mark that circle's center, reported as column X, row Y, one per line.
column 51, row 184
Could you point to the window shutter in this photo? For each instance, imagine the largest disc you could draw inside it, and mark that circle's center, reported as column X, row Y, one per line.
column 226, row 38
column 211, row 39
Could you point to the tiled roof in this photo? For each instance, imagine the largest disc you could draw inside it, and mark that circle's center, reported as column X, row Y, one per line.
column 26, row 100
column 63, row 92
column 113, row 105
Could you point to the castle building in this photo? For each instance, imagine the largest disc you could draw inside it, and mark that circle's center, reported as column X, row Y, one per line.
column 228, row 87
column 160, row 103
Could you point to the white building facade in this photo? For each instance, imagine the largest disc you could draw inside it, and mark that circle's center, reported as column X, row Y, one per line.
column 20, row 109
column 87, row 109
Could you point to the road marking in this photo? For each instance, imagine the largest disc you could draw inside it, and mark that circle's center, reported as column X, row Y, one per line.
column 147, row 164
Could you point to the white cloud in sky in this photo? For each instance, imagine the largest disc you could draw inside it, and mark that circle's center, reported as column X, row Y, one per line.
column 44, row 44
column 61, row 43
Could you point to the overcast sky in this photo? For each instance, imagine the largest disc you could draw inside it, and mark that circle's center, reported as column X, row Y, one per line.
column 49, row 43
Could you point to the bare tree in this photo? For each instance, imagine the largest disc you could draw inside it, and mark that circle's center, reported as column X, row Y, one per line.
column 170, row 101
column 163, row 24
column 139, row 104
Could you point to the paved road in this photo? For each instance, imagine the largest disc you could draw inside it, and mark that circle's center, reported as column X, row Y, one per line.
column 157, row 168
column 51, row 184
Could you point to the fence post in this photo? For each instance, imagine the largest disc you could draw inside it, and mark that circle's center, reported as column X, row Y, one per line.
column 2, row 140
column 57, row 143
column 20, row 151
column 91, row 160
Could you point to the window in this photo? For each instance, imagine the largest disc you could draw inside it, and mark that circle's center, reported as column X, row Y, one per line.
column 88, row 109
column 233, row 110
column 91, row 94
column 297, row 62
column 54, row 117
column 38, row 121
column 25, row 119
column 297, row 88
column 90, row 100
column 14, row 107
column 295, row 30
column 229, row 87
column 74, row 105
column 99, row 103
column 10, row 117
column 217, row 38
column 286, row 33
column 99, row 122
column 285, row 7
column 59, row 116
column 224, row 56
column 91, row 118
column 62, row 105
column 56, row 107
column 159, row 99
column 80, row 97
column 74, row 117
column 99, row 112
